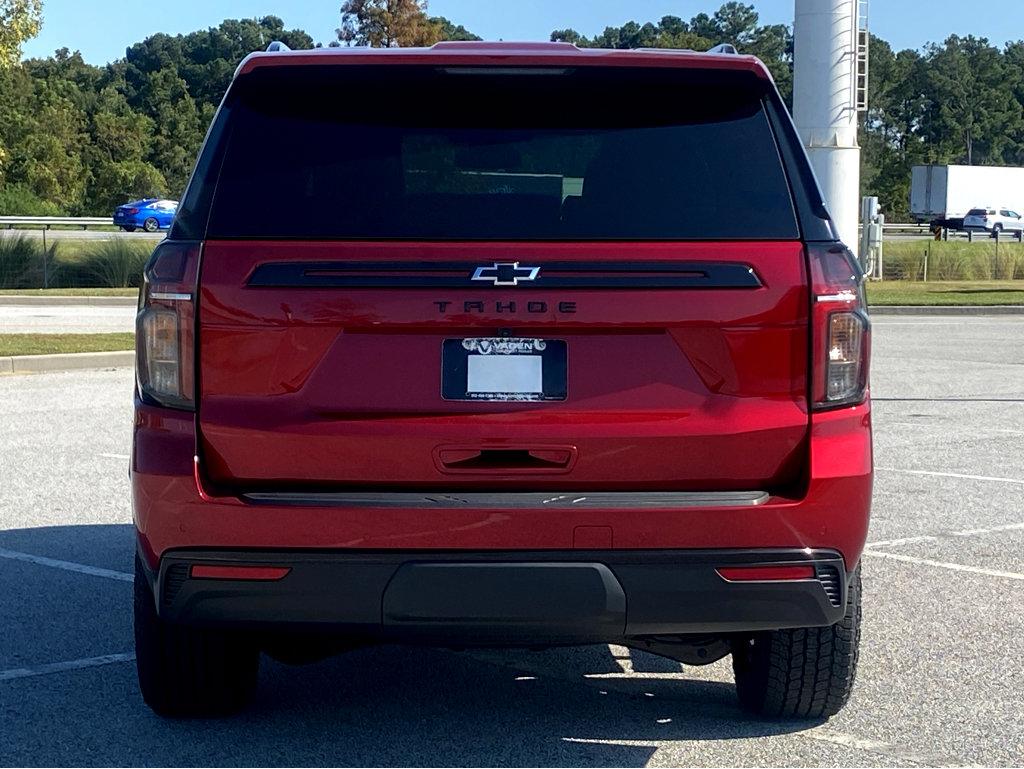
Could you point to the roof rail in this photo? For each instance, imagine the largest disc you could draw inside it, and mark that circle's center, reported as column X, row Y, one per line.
column 649, row 49
column 724, row 48
column 501, row 45
column 277, row 45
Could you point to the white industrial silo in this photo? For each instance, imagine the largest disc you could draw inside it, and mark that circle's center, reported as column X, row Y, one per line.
column 829, row 91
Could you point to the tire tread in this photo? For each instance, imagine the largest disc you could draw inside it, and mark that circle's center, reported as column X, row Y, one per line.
column 801, row 672
column 186, row 671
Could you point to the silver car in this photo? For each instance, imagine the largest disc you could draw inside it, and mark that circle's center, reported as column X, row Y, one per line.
column 993, row 220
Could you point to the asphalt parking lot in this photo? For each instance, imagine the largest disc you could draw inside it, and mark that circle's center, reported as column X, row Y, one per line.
column 941, row 679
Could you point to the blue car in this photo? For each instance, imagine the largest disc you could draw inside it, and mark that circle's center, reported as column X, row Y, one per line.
column 151, row 214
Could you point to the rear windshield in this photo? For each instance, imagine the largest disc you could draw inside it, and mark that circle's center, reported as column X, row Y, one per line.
column 976, row 212
column 350, row 152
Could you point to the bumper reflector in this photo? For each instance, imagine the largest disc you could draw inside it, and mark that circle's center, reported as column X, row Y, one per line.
column 764, row 573
column 201, row 571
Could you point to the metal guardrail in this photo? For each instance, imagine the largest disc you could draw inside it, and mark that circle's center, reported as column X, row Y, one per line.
column 46, row 222
column 909, row 229
column 895, row 228
column 891, row 229
column 85, row 222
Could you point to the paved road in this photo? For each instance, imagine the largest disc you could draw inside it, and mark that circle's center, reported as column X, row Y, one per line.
column 941, row 678
column 65, row 319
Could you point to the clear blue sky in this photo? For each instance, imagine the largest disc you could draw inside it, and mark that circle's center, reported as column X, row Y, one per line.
column 102, row 29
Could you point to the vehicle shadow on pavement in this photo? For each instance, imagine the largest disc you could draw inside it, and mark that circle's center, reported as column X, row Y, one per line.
column 385, row 705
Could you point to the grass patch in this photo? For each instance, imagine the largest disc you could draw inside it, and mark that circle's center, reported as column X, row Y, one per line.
column 949, row 293
column 46, row 344
column 953, row 260
column 71, row 251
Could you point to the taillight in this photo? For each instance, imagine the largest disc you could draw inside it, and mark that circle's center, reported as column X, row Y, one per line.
column 841, row 329
column 165, row 326
column 131, row 210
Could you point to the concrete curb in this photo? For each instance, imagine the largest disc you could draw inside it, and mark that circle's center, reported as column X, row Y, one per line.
column 906, row 309
column 64, row 301
column 35, row 364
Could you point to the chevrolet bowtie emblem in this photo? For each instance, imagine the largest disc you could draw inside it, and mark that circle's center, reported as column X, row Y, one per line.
column 505, row 273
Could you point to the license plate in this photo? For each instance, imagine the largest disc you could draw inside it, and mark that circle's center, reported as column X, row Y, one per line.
column 503, row 369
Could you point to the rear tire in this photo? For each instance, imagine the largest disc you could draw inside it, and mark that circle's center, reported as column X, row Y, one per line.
column 151, row 225
column 128, row 228
column 803, row 672
column 186, row 671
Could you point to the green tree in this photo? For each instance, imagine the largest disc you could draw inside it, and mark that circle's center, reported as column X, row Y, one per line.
column 50, row 159
column 448, row 30
column 208, row 58
column 20, row 20
column 734, row 22
column 387, row 23
column 178, row 130
column 567, row 36
column 121, row 142
column 969, row 117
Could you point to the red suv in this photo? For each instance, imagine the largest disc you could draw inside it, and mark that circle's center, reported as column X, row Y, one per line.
column 501, row 345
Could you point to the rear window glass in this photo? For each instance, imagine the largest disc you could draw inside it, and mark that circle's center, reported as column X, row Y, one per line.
column 976, row 212
column 423, row 153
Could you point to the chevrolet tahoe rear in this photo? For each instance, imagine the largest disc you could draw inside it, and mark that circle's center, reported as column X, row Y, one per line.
column 501, row 345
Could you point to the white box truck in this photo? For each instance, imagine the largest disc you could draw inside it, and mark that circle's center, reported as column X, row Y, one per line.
column 949, row 192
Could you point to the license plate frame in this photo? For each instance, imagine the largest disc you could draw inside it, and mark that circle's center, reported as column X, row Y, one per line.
column 458, row 382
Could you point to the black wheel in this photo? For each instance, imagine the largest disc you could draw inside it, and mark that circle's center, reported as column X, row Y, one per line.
column 801, row 673
column 186, row 671
column 151, row 225
column 128, row 228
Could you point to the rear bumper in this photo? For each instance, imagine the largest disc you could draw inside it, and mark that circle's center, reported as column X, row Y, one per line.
column 511, row 598
column 174, row 511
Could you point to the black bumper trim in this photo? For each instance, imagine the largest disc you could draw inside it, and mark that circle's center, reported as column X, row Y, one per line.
column 493, row 598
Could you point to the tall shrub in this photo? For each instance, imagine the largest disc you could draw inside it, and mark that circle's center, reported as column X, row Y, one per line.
column 21, row 260
column 118, row 262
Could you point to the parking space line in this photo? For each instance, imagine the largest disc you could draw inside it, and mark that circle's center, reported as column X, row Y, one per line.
column 902, row 541
column 945, row 565
column 947, row 534
column 877, row 746
column 53, row 563
column 835, row 738
column 991, row 530
column 115, row 456
column 951, row 475
column 61, row 667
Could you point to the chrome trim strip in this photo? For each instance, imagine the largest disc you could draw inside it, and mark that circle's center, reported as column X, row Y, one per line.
column 516, row 499
column 168, row 296
column 842, row 296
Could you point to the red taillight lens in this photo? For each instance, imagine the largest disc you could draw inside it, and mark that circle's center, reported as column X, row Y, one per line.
column 841, row 330
column 132, row 211
column 259, row 573
column 765, row 573
column 165, row 326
